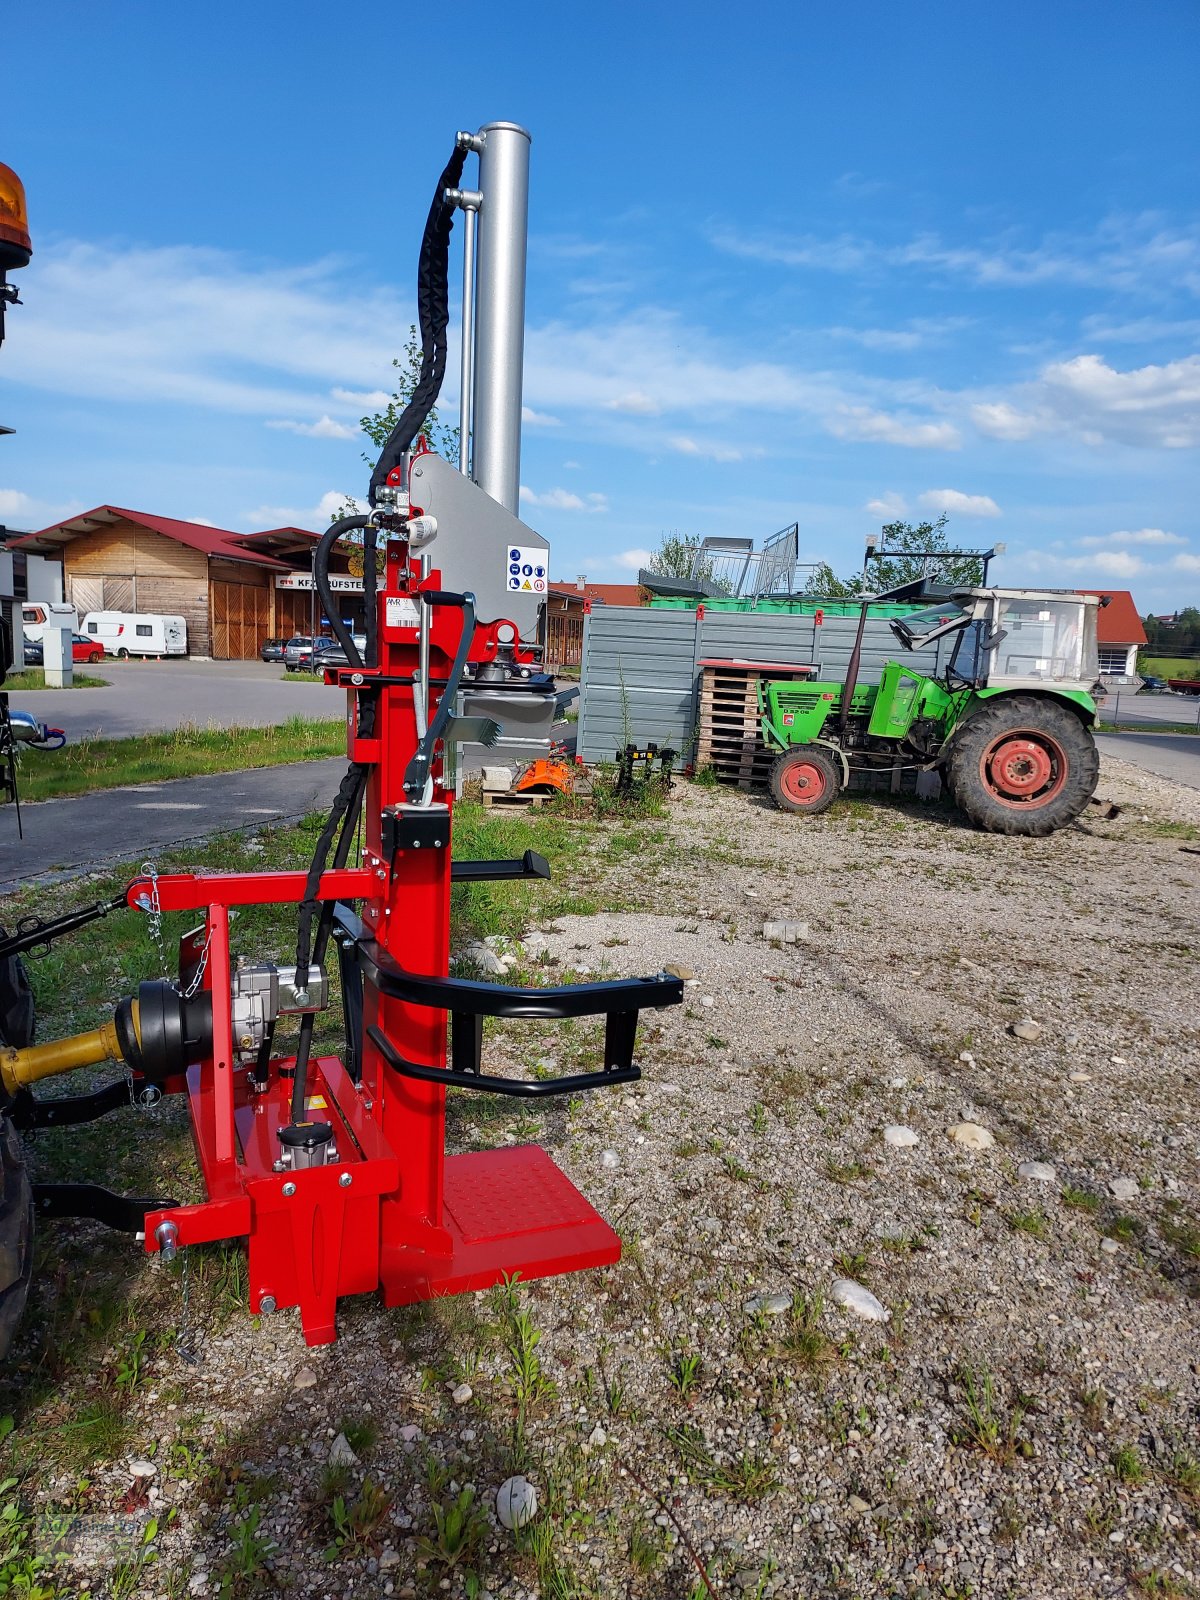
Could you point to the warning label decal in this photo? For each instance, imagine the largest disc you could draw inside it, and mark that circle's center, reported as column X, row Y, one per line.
column 525, row 568
column 402, row 612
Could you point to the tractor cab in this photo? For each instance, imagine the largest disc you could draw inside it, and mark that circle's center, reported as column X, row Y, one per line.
column 1011, row 639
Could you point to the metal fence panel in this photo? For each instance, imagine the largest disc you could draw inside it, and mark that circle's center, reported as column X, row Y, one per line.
column 640, row 670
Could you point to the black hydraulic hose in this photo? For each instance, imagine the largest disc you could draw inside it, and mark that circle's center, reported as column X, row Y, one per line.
column 324, row 926
column 433, row 314
column 334, row 532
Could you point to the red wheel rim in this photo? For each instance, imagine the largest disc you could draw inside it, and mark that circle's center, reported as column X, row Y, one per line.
column 803, row 782
column 1024, row 769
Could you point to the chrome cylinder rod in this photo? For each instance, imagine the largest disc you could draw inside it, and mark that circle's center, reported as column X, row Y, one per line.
column 500, row 311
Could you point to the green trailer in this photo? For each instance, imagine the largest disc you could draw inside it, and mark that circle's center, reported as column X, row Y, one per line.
column 1007, row 721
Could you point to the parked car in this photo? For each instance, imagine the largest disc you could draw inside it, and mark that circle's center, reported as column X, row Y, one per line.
column 85, row 649
column 273, row 650
column 34, row 653
column 1154, row 685
column 299, row 642
column 329, row 652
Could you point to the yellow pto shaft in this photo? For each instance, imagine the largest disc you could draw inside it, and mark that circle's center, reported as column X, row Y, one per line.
column 20, row 1068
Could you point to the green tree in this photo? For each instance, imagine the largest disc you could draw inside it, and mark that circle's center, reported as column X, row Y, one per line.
column 824, row 584
column 673, row 558
column 920, row 546
column 379, row 424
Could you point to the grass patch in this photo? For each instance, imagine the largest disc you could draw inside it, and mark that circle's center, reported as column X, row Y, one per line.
column 748, row 1476
column 31, row 679
column 303, row 677
column 988, row 1425
column 187, row 752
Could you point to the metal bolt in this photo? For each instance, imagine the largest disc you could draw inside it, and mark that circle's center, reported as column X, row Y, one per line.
column 266, row 1305
column 301, row 996
column 345, row 1180
column 289, row 1190
column 368, row 1105
column 167, row 1237
column 279, row 1165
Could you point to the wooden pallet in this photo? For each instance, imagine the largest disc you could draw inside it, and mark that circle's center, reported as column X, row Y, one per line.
column 728, row 739
column 508, row 801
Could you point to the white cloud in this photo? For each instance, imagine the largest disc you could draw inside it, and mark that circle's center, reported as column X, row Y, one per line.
column 962, row 505
column 539, row 419
column 684, row 445
column 1107, row 563
column 635, row 403
column 1135, row 254
column 632, row 560
column 1116, row 563
column 999, row 420
column 1186, row 562
column 316, row 518
column 362, row 400
column 203, row 327
column 1156, row 536
column 324, row 428
column 878, row 427
column 1156, row 407
column 205, row 522
column 563, row 500
column 30, row 514
column 879, row 338
column 889, row 506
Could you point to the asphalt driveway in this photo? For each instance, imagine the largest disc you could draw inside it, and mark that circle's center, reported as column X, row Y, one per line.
column 158, row 696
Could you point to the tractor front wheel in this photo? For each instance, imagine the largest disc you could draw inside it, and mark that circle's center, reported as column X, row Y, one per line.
column 806, row 779
column 1023, row 765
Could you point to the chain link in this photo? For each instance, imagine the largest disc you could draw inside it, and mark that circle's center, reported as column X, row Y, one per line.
column 152, row 906
column 198, row 975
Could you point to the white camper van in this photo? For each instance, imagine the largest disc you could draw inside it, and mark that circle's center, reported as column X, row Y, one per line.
column 38, row 615
column 134, row 633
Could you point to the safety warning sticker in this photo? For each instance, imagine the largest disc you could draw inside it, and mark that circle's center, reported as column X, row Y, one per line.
column 526, row 568
column 402, row 612
column 316, row 1102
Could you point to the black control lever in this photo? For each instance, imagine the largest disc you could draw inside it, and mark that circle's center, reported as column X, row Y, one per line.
column 418, row 767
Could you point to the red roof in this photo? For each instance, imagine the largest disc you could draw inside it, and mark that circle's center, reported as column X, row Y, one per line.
column 197, row 535
column 1118, row 621
column 609, row 594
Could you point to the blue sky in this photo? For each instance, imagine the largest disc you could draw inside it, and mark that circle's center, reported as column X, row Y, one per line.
column 822, row 263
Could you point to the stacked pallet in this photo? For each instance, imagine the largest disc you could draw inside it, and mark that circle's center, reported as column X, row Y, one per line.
column 728, row 739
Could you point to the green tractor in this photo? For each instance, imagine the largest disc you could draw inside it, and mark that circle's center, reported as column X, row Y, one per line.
column 1007, row 721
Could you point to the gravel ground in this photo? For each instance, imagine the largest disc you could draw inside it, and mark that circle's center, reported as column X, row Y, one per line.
column 1024, row 1420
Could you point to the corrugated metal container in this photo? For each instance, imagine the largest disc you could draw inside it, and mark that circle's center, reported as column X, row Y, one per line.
column 637, row 680
column 640, row 671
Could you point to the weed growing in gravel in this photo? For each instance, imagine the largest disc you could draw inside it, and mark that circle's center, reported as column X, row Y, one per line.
column 1125, row 1229
column 1185, row 1475
column 1127, row 1464
column 846, row 1171
column 1033, row 1222
column 528, row 1384
column 853, row 1264
column 1157, row 1580
column 647, row 1547
column 357, row 1523
column 247, row 1564
column 989, row 1426
column 361, row 1434
column 1179, row 1229
column 1079, row 1199
column 749, row 1476
column 459, row 1529
column 803, row 1343
column 685, row 1372
column 1095, row 1405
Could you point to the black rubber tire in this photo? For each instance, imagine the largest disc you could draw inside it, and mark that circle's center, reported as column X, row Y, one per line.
column 813, row 756
column 1076, row 764
column 16, row 1234
column 122, row 655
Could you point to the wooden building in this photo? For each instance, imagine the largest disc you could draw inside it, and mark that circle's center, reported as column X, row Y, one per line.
column 223, row 584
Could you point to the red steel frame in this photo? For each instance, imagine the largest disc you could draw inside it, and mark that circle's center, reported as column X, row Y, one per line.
column 393, row 1211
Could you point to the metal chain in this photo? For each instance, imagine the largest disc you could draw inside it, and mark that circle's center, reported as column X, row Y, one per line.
column 198, row 975
column 152, row 906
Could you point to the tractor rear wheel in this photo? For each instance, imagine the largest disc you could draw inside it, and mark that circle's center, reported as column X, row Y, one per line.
column 807, row 779
column 1022, row 765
